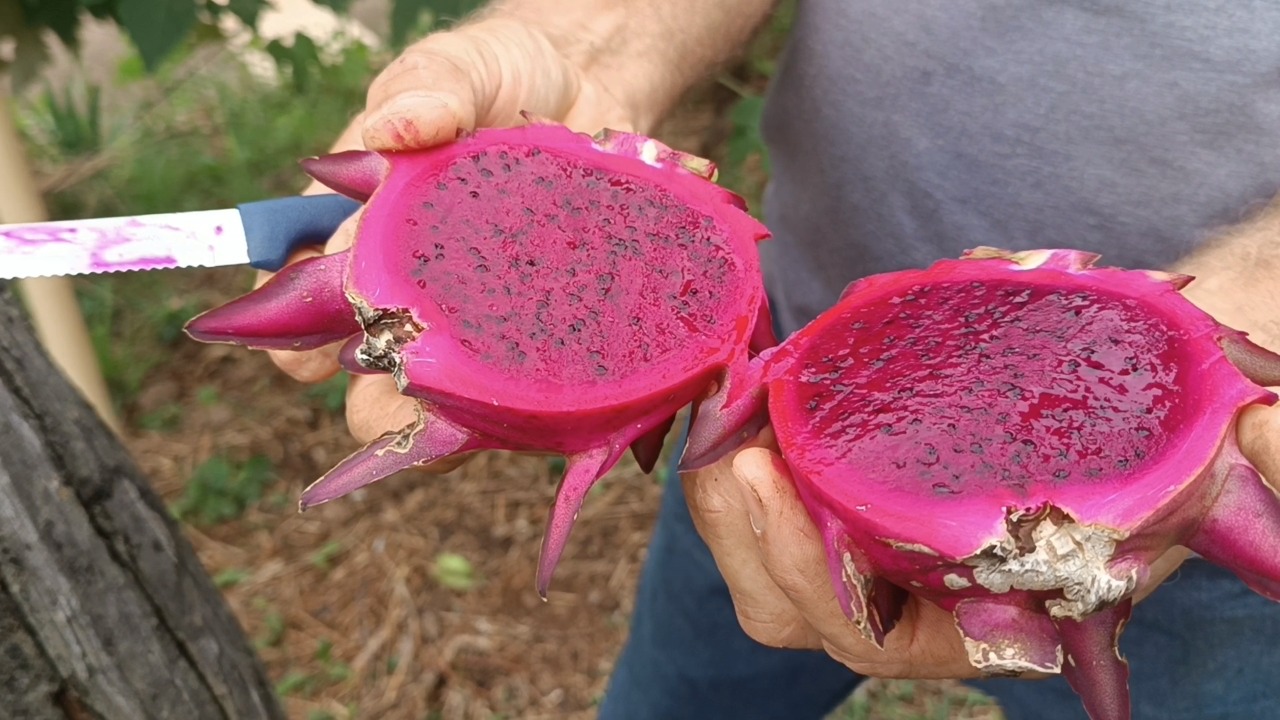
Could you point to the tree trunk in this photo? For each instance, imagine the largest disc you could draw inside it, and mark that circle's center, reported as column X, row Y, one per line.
column 105, row 611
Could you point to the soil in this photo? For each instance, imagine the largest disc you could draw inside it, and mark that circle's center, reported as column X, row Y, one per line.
column 358, row 575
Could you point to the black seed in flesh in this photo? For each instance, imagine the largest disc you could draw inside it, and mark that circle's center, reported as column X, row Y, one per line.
column 1042, row 384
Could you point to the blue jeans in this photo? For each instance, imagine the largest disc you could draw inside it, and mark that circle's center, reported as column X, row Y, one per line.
column 1203, row 647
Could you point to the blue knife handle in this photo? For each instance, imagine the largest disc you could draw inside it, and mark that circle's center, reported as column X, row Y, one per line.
column 275, row 228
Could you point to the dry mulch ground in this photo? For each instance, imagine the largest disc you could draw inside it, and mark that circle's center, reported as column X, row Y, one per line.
column 343, row 601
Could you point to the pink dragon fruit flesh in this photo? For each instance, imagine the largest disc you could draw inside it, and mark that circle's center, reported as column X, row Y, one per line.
column 536, row 289
column 1015, row 437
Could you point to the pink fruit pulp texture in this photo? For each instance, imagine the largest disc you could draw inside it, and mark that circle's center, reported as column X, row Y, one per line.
column 536, row 289
column 1015, row 438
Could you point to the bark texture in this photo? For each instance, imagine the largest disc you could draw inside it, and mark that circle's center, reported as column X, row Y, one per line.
column 105, row 611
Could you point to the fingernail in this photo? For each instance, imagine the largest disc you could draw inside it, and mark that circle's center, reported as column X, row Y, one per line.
column 410, row 103
column 411, row 119
column 755, row 508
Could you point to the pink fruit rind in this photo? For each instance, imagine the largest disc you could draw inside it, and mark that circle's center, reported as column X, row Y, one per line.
column 451, row 366
column 535, row 289
column 320, row 313
column 1021, row 468
column 1206, row 418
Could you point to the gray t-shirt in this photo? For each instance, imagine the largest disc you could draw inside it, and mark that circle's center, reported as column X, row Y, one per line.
column 904, row 132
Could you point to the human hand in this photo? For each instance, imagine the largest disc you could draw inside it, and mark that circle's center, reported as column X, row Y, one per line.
column 773, row 559
column 482, row 74
column 1258, row 432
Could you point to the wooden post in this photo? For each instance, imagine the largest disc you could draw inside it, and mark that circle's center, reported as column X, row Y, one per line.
column 105, row 610
column 50, row 301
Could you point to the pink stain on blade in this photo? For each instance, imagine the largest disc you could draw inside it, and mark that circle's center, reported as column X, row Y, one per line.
column 90, row 247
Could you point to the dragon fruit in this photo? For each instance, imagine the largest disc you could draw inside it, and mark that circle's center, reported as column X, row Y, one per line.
column 536, row 289
column 1015, row 437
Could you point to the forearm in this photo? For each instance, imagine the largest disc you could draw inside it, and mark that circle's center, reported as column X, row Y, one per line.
column 1238, row 277
column 646, row 52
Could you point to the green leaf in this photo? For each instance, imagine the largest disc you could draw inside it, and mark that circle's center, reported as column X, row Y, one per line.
column 454, row 572
column 407, row 19
column 331, row 393
column 230, row 577
column 157, row 27
column 100, row 9
column 335, row 5
column 305, row 59
column 60, row 16
column 302, row 58
column 275, row 629
column 746, row 138
column 452, row 10
column 295, row 682
column 219, row 491
column 323, row 558
column 405, row 15
column 130, row 69
column 246, row 10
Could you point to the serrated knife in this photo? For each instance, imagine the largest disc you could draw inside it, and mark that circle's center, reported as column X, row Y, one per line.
column 261, row 234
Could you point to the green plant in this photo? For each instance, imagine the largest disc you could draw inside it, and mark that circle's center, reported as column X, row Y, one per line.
column 72, row 129
column 156, row 27
column 323, row 558
column 106, row 307
column 744, row 160
column 296, row 683
column 274, row 627
column 221, row 490
column 230, row 577
column 331, row 393
column 334, row 670
column 454, row 571
column 166, row 418
column 745, row 167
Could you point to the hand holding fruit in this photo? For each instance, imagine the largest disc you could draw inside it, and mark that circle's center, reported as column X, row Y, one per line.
column 483, row 74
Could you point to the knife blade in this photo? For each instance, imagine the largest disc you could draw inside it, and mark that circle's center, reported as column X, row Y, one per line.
column 261, row 234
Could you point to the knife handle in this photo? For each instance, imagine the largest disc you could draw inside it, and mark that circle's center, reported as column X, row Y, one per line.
column 274, row 228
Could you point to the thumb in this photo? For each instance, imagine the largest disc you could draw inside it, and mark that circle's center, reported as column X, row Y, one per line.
column 791, row 545
column 1259, row 437
column 423, row 98
column 480, row 74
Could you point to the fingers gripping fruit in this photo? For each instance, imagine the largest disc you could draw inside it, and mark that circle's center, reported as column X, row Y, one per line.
column 536, row 289
column 1015, row 437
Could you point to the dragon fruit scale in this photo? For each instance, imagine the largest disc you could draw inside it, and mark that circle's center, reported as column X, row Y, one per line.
column 536, row 289
column 1015, row 437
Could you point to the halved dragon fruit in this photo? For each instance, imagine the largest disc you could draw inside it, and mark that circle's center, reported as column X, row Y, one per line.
column 538, row 290
column 1015, row 437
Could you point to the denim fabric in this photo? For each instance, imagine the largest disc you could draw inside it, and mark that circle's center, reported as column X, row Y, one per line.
column 1203, row 647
